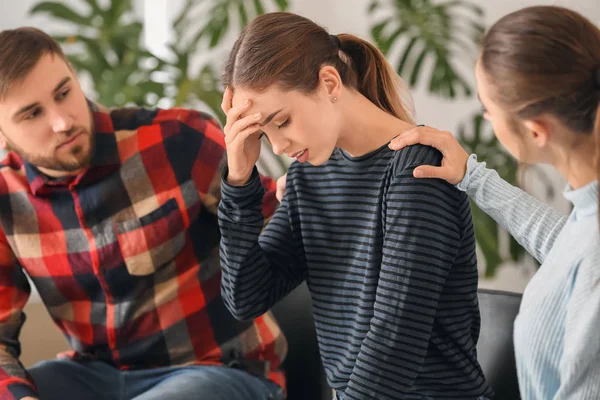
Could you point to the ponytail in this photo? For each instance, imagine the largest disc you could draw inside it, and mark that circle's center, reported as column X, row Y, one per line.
column 375, row 77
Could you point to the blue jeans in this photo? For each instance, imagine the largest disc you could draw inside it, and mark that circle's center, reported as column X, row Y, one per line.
column 96, row 380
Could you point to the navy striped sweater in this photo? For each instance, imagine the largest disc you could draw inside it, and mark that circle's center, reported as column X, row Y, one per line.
column 390, row 263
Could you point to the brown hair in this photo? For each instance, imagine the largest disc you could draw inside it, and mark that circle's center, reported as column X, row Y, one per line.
column 543, row 60
column 20, row 50
column 546, row 60
column 289, row 50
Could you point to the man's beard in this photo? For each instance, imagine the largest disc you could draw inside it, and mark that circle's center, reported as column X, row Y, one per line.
column 78, row 156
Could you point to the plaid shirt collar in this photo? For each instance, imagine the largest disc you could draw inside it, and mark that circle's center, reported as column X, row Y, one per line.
column 104, row 162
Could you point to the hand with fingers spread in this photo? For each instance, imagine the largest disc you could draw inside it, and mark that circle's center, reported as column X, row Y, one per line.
column 454, row 163
column 242, row 139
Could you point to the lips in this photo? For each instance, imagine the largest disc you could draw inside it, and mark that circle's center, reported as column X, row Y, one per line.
column 71, row 140
column 297, row 154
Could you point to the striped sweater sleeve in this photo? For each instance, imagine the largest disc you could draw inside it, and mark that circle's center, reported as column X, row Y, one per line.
column 422, row 233
column 534, row 224
column 258, row 269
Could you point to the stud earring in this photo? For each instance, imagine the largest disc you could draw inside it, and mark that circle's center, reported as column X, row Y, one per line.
column 334, row 99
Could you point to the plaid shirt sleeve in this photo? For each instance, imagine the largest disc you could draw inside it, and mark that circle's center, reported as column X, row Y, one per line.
column 15, row 382
column 212, row 190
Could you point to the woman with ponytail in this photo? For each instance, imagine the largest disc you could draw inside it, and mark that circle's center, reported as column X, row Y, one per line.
column 389, row 259
column 538, row 78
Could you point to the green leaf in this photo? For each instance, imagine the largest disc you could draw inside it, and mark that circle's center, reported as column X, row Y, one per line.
column 405, row 55
column 216, row 25
column 218, row 31
column 243, row 15
column 447, row 31
column 60, row 11
column 187, row 7
column 516, row 251
column 94, row 52
column 152, row 87
column 474, row 8
column 181, row 22
column 417, row 67
column 81, row 65
column 213, row 100
column 373, row 5
column 118, row 9
column 95, row 7
column 130, row 31
column 444, row 79
column 282, row 4
column 377, row 32
column 258, row 6
column 386, row 45
column 183, row 92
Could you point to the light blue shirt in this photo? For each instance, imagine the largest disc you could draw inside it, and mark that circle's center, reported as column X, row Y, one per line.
column 557, row 331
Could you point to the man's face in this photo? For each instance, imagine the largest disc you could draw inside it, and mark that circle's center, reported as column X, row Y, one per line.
column 45, row 119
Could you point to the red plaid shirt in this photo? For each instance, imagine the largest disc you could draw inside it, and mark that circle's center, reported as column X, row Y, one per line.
column 125, row 255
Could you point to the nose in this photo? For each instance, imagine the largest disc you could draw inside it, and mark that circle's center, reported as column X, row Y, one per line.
column 277, row 150
column 280, row 145
column 61, row 121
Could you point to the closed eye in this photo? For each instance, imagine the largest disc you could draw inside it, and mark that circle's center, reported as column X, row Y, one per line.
column 284, row 124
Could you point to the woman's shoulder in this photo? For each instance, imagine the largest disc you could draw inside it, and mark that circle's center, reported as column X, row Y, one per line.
column 410, row 157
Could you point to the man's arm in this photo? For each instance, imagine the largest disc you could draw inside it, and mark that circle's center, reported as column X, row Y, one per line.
column 15, row 382
column 213, row 159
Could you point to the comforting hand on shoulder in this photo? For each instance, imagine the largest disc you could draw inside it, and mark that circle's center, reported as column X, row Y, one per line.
column 454, row 163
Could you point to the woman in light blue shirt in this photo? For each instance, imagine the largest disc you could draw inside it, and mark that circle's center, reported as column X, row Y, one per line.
column 538, row 79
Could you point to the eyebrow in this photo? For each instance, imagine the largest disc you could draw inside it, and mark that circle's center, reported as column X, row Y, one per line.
column 29, row 107
column 270, row 117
